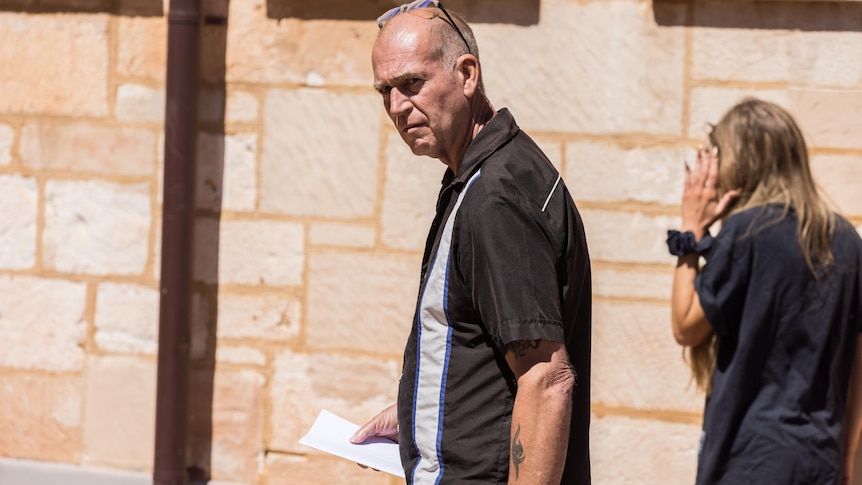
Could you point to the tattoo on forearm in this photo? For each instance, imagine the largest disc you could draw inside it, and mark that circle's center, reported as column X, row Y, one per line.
column 517, row 451
column 520, row 347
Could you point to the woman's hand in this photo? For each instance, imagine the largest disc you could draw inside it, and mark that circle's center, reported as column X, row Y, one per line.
column 701, row 206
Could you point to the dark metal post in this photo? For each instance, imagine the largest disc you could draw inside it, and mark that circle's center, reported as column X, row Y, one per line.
column 181, row 109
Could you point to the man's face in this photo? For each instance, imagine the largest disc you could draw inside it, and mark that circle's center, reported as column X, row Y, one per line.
column 420, row 94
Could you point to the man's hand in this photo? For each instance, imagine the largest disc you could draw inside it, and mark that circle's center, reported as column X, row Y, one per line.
column 385, row 424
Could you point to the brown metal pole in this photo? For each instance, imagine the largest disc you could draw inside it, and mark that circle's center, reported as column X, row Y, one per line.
column 181, row 107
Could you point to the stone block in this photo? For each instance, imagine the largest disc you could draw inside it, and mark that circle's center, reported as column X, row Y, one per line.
column 54, row 64
column 227, row 172
column 120, row 412
column 240, row 172
column 127, row 318
column 342, row 235
column 19, row 204
column 96, row 227
column 7, row 141
column 709, row 104
column 632, row 283
column 139, row 103
column 838, row 178
column 242, row 107
column 355, row 388
column 42, row 323
column 249, row 252
column 628, row 236
column 828, row 118
column 40, row 417
column 82, row 148
column 637, row 361
column 824, row 52
column 268, row 50
column 239, row 355
column 237, row 421
column 142, row 47
column 607, row 172
column 626, row 451
column 553, row 150
column 274, row 317
column 320, row 153
column 361, row 302
column 409, row 196
column 572, row 73
column 303, row 470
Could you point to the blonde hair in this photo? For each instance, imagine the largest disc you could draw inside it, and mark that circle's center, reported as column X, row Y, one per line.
column 763, row 154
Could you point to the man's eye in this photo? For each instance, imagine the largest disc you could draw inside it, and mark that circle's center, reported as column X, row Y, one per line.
column 385, row 90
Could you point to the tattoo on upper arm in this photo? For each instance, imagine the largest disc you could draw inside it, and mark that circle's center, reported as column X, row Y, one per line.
column 517, row 451
column 520, row 347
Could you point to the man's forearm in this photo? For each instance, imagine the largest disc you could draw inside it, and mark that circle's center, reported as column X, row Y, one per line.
column 540, row 428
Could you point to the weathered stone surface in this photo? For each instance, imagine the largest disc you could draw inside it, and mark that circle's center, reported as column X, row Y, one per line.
column 605, row 236
column 361, row 302
column 249, row 252
column 42, row 323
column 7, row 140
column 40, row 417
column 838, row 178
column 239, row 355
column 625, row 451
column 344, row 235
column 136, row 102
column 320, row 153
column 242, row 107
column 72, row 80
column 303, row 384
column 409, row 195
column 266, row 317
column 96, row 227
column 237, row 421
column 127, row 318
column 828, row 118
column 606, row 172
column 119, row 418
column 286, row 50
column 631, row 340
column 575, row 73
column 825, row 54
column 87, row 148
column 142, row 47
column 632, row 283
column 19, row 204
column 227, row 171
column 303, row 470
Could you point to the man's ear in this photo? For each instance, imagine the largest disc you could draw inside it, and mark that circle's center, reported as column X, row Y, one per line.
column 468, row 68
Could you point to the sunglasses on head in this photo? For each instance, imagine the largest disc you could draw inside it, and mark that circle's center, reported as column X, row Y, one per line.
column 416, row 5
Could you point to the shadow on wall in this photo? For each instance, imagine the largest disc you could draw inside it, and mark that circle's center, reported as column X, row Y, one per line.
column 136, row 8
column 813, row 16
column 515, row 12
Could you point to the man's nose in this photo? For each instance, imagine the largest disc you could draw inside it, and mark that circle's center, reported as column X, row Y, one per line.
column 399, row 103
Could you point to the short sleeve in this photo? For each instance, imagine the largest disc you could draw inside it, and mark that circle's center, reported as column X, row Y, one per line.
column 508, row 264
column 723, row 283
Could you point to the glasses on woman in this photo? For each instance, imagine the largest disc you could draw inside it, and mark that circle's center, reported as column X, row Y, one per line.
column 419, row 4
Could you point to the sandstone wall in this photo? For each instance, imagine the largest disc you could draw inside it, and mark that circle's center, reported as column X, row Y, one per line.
column 311, row 213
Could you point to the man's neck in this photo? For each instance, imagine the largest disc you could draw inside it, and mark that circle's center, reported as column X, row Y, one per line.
column 481, row 113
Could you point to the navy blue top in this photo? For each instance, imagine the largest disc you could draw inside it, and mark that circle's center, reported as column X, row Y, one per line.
column 787, row 340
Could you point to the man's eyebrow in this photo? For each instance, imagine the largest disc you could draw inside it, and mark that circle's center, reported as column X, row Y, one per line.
column 400, row 79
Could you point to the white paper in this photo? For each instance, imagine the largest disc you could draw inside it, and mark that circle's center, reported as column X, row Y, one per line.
column 331, row 433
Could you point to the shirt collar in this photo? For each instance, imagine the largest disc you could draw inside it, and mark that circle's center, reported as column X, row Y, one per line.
column 497, row 132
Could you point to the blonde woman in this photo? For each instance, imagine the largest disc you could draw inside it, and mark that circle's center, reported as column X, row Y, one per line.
column 771, row 322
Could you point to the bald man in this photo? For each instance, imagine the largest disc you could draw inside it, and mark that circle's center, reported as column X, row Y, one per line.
column 496, row 374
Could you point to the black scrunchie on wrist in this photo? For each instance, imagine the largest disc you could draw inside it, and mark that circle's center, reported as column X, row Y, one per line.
column 682, row 243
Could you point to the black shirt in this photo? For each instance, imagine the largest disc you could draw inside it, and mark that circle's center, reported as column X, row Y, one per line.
column 787, row 340
column 506, row 259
